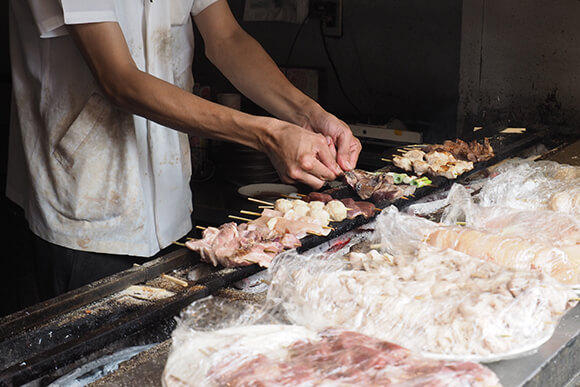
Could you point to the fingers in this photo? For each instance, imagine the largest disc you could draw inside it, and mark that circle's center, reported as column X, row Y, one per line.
column 348, row 155
column 315, row 164
column 349, row 148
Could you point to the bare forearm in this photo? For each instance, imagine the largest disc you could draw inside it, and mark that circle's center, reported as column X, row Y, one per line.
column 256, row 75
column 175, row 108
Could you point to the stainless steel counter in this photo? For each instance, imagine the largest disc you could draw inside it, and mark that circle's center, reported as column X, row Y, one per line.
column 556, row 363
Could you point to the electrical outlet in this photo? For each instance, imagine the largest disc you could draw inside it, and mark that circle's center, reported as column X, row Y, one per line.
column 330, row 13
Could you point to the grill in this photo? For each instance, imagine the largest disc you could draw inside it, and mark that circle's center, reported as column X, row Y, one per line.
column 50, row 339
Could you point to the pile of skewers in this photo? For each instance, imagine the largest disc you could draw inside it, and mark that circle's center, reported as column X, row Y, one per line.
column 450, row 159
column 278, row 227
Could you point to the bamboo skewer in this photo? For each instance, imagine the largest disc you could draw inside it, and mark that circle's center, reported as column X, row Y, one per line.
column 201, row 227
column 176, row 280
column 250, row 213
column 386, row 160
column 260, row 201
column 179, row 243
column 239, row 218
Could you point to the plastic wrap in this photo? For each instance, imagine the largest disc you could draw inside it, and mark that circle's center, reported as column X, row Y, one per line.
column 526, row 251
column 271, row 354
column 525, row 184
column 440, row 302
column 543, row 227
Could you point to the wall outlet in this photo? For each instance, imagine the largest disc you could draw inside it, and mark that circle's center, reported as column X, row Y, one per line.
column 330, row 13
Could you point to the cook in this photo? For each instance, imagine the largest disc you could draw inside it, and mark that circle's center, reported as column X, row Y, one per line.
column 99, row 153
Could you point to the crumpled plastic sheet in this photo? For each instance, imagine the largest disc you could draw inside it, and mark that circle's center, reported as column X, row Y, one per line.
column 526, row 184
column 247, row 351
column 440, row 302
column 536, row 238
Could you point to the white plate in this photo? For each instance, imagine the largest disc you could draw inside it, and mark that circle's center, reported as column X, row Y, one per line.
column 266, row 191
column 524, row 350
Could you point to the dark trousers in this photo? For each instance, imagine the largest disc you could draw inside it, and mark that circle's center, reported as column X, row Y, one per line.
column 59, row 269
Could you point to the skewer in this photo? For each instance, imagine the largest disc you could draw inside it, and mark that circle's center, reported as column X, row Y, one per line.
column 176, row 280
column 386, row 160
column 575, row 299
column 460, row 223
column 378, row 209
column 404, row 198
column 270, row 251
column 201, row 228
column 376, row 246
column 294, row 196
column 250, row 213
column 239, row 218
column 314, row 233
column 265, row 207
column 179, row 243
column 328, row 227
column 260, row 201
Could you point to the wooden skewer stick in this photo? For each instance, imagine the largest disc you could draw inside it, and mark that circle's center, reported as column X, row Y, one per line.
column 176, row 280
column 461, row 223
column 260, row 201
column 386, row 160
column 264, row 207
column 201, row 227
column 179, row 243
column 270, row 251
column 239, row 218
column 378, row 209
column 328, row 227
column 250, row 213
column 404, row 198
column 291, row 196
column 314, row 233
column 575, row 299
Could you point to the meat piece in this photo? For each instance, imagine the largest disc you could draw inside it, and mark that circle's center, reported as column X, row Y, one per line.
column 336, row 210
column 356, row 208
column 513, row 252
column 461, row 150
column 404, row 163
column 335, row 357
column 392, row 192
column 233, row 245
column 377, row 186
column 317, row 196
column 453, row 169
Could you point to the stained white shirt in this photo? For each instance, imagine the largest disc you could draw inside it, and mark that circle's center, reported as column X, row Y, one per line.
column 88, row 175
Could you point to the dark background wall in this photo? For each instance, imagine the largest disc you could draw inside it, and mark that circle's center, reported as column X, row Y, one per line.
column 520, row 63
column 395, row 60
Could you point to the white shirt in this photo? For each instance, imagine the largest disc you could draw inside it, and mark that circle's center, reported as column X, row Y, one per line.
column 88, row 175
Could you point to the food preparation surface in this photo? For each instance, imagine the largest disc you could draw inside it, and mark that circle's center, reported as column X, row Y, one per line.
column 556, row 363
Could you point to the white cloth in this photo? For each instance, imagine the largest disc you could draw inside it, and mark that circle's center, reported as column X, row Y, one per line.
column 88, row 175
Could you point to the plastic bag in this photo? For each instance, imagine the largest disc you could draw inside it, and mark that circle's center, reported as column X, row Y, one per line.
column 440, row 302
column 288, row 355
column 525, row 184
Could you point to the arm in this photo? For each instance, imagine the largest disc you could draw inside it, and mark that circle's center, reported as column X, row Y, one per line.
column 245, row 63
column 298, row 154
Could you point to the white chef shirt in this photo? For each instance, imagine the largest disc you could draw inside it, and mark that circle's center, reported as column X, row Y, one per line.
column 90, row 176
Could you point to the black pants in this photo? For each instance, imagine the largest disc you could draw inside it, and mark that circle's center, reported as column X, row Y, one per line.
column 59, row 269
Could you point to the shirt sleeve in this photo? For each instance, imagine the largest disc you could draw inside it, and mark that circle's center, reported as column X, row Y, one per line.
column 51, row 16
column 200, row 5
